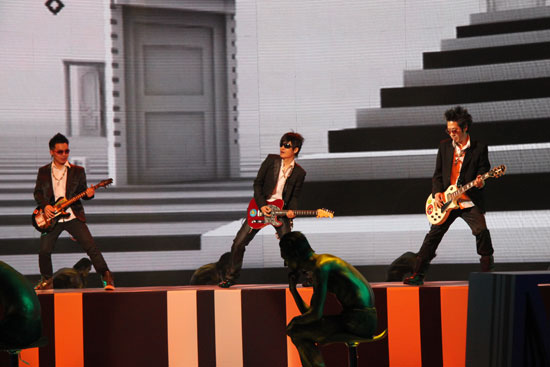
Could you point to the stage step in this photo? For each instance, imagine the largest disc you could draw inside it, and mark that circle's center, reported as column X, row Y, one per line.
column 378, row 240
column 499, row 40
column 510, row 15
column 399, row 138
column 420, row 163
column 506, row 90
column 433, row 115
column 485, row 56
column 477, row 74
column 510, row 26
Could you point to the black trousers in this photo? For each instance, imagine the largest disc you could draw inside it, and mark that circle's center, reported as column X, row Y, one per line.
column 243, row 238
column 81, row 233
column 475, row 220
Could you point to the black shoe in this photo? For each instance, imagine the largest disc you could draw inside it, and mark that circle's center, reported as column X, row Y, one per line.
column 415, row 279
column 226, row 283
column 44, row 284
column 108, row 281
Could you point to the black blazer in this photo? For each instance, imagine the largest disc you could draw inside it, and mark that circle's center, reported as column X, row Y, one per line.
column 266, row 180
column 476, row 162
column 76, row 183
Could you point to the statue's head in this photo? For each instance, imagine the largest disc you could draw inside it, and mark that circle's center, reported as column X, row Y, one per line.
column 295, row 249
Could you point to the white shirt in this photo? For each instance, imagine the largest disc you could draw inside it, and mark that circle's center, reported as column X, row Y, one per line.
column 460, row 151
column 59, row 184
column 284, row 173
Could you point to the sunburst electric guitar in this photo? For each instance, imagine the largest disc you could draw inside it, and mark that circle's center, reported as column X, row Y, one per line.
column 452, row 194
column 45, row 224
column 256, row 218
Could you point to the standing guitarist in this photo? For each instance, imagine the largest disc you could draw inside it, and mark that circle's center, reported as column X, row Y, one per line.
column 460, row 159
column 61, row 179
column 279, row 177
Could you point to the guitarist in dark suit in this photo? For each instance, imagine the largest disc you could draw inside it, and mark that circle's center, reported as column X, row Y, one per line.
column 279, row 177
column 460, row 160
column 62, row 179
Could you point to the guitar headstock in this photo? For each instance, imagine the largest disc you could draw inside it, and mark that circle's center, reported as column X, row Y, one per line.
column 498, row 171
column 325, row 213
column 104, row 183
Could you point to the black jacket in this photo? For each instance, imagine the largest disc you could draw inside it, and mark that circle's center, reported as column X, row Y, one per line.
column 476, row 162
column 76, row 183
column 267, row 179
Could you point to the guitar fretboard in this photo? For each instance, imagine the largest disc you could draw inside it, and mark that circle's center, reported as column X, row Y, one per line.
column 462, row 189
column 77, row 197
column 296, row 212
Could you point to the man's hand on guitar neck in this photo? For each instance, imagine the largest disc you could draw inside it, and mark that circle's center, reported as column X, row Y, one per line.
column 479, row 183
column 267, row 212
column 90, row 192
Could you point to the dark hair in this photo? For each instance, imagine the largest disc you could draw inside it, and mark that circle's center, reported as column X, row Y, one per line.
column 460, row 115
column 294, row 245
column 58, row 139
column 296, row 139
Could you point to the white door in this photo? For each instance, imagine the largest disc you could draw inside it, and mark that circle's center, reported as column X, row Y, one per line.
column 173, row 76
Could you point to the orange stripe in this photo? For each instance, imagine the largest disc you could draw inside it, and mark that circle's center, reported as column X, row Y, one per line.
column 228, row 327
column 182, row 328
column 454, row 313
column 291, row 312
column 69, row 345
column 30, row 356
column 404, row 327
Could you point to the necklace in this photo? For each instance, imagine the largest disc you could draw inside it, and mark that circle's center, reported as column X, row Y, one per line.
column 59, row 179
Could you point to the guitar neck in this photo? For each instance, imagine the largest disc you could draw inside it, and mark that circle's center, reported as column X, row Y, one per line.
column 75, row 198
column 297, row 212
column 462, row 189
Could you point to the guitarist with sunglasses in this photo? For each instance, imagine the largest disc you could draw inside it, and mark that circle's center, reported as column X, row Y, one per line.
column 279, row 177
column 460, row 159
column 56, row 180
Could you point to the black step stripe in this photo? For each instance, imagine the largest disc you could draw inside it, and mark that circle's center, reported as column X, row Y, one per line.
column 30, row 246
column 487, row 55
column 514, row 26
column 399, row 137
column 465, row 93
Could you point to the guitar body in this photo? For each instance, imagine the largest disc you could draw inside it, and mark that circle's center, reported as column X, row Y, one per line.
column 256, row 218
column 44, row 224
column 437, row 215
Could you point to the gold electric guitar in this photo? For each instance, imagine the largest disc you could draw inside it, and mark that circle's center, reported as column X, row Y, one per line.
column 44, row 224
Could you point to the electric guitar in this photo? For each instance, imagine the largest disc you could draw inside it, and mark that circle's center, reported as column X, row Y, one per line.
column 437, row 215
column 257, row 220
column 44, row 224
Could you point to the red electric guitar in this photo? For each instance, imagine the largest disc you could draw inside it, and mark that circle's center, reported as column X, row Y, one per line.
column 45, row 224
column 257, row 220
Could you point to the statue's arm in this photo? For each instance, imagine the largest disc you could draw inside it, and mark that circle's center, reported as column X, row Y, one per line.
column 292, row 281
column 320, row 290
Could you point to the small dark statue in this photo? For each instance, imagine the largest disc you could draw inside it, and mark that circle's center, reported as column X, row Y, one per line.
column 75, row 277
column 329, row 274
column 212, row 273
column 401, row 267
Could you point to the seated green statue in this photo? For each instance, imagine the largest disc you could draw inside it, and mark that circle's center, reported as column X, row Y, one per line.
column 329, row 274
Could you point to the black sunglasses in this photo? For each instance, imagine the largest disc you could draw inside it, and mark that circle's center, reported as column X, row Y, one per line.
column 66, row 151
column 286, row 145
